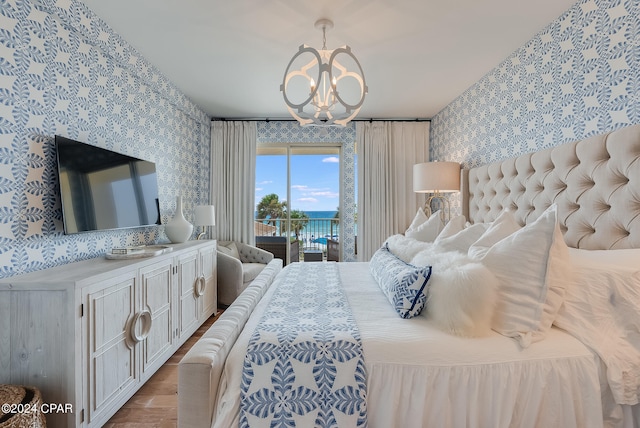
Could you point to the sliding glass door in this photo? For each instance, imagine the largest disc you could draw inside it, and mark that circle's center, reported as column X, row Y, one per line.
column 298, row 190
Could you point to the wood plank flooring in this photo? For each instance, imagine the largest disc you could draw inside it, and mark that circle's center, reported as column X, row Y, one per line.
column 155, row 405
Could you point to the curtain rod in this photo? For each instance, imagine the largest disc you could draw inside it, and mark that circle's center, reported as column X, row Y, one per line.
column 267, row 119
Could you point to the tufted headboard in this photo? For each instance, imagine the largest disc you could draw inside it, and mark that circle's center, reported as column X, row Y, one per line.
column 595, row 183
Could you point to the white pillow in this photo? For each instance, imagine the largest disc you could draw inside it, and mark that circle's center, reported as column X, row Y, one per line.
column 531, row 265
column 454, row 226
column 499, row 229
column 419, row 218
column 230, row 249
column 406, row 248
column 462, row 293
column 462, row 298
column 462, row 240
column 427, row 231
column 431, row 255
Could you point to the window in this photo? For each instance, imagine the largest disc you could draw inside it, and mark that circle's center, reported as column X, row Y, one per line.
column 298, row 189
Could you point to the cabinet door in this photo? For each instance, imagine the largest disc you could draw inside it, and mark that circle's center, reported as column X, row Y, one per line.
column 156, row 299
column 187, row 283
column 209, row 286
column 111, row 310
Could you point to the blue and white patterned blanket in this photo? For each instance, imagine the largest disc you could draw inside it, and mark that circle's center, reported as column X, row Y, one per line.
column 304, row 365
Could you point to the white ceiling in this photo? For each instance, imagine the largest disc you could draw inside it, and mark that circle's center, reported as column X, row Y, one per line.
column 229, row 56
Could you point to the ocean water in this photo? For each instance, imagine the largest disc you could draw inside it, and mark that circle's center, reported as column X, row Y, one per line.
column 319, row 227
column 321, row 214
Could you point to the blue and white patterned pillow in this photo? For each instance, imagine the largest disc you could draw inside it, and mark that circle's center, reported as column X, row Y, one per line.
column 404, row 285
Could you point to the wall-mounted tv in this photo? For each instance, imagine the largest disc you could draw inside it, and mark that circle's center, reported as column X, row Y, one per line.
column 101, row 189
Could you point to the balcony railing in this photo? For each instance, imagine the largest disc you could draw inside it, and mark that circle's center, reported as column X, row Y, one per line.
column 313, row 233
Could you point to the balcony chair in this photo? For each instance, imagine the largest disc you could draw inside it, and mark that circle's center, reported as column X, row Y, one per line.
column 333, row 250
column 277, row 245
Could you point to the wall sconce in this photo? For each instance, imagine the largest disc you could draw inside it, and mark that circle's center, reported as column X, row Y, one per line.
column 437, row 178
column 205, row 216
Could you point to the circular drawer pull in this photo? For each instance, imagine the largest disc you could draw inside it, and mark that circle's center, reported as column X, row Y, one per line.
column 199, row 286
column 145, row 316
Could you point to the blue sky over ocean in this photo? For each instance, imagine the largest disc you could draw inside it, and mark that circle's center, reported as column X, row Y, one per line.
column 314, row 180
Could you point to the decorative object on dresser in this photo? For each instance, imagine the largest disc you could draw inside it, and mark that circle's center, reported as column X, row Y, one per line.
column 178, row 229
column 138, row 252
column 91, row 333
column 337, row 94
column 205, row 216
column 437, row 178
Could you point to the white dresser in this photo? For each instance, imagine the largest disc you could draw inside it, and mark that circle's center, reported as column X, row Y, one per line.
column 89, row 334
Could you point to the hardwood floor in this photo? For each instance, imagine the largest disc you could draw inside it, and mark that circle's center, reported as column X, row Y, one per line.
column 155, row 405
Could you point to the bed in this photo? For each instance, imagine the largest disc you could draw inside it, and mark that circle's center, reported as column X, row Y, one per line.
column 415, row 373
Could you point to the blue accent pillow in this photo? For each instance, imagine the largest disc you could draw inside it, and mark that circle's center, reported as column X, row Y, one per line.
column 404, row 285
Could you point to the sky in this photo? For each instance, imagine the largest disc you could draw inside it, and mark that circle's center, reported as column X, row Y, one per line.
column 315, row 180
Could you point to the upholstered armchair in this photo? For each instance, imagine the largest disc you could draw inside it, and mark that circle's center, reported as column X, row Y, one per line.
column 238, row 265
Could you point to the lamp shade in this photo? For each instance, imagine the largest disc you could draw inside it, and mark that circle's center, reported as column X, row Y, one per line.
column 436, row 177
column 205, row 215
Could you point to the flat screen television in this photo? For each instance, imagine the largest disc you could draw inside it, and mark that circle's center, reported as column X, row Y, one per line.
column 102, row 190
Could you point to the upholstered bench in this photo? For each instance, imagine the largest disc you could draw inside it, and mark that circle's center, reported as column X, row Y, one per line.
column 205, row 360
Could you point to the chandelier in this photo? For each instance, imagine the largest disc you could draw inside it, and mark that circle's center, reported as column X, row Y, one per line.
column 324, row 87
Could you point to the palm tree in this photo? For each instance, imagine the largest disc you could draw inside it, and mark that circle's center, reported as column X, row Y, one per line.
column 271, row 209
column 299, row 220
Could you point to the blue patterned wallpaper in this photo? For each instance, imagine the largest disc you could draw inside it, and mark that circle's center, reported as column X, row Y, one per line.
column 580, row 76
column 292, row 132
column 64, row 71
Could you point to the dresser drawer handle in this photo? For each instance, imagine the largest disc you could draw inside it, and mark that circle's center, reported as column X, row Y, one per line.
column 199, row 286
column 145, row 316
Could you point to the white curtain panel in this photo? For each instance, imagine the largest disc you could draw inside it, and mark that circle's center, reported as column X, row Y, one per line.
column 387, row 203
column 233, row 176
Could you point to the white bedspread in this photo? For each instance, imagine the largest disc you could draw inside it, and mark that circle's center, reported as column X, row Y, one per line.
column 419, row 376
column 604, row 316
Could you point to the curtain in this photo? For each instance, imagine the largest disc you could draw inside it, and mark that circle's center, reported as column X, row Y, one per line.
column 233, row 176
column 387, row 152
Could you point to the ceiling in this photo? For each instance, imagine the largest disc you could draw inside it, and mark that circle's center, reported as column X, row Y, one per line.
column 229, row 57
